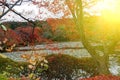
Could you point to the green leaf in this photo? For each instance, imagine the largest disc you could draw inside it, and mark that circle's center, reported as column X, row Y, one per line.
column 4, row 28
column 45, row 66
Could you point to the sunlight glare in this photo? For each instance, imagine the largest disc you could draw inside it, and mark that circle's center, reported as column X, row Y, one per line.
column 111, row 13
column 110, row 10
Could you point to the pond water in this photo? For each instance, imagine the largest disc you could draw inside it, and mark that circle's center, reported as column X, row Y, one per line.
column 115, row 64
column 68, row 49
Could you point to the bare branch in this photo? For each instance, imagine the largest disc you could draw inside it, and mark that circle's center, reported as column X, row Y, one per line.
column 9, row 8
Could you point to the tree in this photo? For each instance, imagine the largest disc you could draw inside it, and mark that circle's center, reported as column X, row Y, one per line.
column 108, row 45
column 4, row 4
column 75, row 8
column 77, row 13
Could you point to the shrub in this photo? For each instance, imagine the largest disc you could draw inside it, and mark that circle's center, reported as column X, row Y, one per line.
column 8, row 40
column 70, row 28
column 10, row 67
column 62, row 66
column 4, row 62
column 37, row 64
column 31, row 69
column 47, row 30
column 57, row 34
column 27, row 35
column 13, row 25
column 6, row 46
column 103, row 77
column 60, row 34
column 43, row 32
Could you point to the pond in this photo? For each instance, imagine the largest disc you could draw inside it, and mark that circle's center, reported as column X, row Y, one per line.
column 71, row 48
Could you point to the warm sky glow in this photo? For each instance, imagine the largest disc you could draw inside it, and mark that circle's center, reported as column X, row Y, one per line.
column 111, row 14
column 111, row 10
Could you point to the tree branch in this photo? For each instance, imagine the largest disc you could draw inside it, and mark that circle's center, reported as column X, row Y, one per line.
column 9, row 8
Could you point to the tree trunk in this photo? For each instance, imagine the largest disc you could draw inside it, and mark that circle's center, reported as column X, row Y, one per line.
column 104, row 65
column 102, row 62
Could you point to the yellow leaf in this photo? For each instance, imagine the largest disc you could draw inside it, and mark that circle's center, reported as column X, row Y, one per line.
column 30, row 66
column 31, row 75
column 33, row 62
column 3, row 56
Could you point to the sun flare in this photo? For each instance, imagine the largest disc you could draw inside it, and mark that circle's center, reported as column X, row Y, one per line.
column 109, row 19
column 110, row 13
column 111, row 10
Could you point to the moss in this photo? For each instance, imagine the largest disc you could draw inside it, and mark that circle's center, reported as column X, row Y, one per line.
column 2, row 77
column 4, row 62
column 11, row 66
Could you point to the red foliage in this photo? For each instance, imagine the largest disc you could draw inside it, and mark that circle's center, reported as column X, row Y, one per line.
column 12, row 37
column 27, row 35
column 23, row 36
column 1, row 34
column 103, row 77
column 52, row 58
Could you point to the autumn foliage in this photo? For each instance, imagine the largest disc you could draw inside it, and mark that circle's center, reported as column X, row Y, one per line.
column 8, row 40
column 103, row 77
column 29, row 35
column 10, row 35
column 20, row 36
column 68, row 25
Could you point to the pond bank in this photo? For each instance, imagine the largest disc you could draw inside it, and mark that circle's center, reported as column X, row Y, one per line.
column 71, row 48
